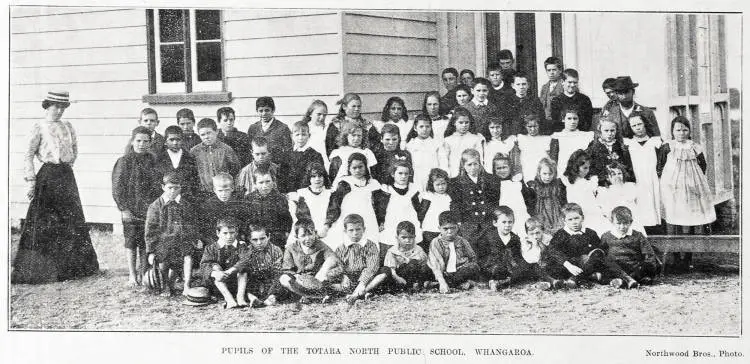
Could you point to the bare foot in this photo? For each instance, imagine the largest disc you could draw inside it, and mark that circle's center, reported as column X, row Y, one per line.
column 232, row 304
column 242, row 302
column 132, row 282
column 166, row 293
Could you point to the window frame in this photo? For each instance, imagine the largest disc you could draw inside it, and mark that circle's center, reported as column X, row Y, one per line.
column 191, row 91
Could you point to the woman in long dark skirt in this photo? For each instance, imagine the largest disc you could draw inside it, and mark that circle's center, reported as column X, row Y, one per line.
column 55, row 243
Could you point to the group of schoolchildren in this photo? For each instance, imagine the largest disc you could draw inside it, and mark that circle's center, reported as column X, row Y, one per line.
column 466, row 191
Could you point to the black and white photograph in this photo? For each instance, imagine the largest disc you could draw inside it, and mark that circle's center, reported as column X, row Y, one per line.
column 336, row 184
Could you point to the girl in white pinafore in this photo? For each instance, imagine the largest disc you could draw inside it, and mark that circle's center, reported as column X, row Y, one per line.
column 619, row 193
column 582, row 187
column 434, row 201
column 353, row 195
column 513, row 193
column 570, row 139
column 426, row 151
column 310, row 202
column 643, row 152
column 533, row 147
column 402, row 205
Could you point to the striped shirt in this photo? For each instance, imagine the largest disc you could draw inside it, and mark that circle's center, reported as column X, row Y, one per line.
column 263, row 260
column 360, row 259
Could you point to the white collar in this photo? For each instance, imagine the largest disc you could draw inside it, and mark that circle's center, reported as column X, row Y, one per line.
column 499, row 87
column 178, row 153
column 477, row 102
column 505, row 238
column 303, row 148
column 234, row 244
column 166, row 200
column 618, row 236
column 571, row 232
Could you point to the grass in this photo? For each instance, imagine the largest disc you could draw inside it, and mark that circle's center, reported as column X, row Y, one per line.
column 703, row 302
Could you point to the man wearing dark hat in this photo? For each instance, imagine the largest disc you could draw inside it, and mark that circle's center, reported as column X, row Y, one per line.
column 620, row 111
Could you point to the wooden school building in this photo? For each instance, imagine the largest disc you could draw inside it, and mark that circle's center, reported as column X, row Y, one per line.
column 117, row 61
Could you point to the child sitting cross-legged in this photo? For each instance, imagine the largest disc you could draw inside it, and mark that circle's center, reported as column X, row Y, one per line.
column 360, row 260
column 309, row 264
column 223, row 266
column 576, row 255
column 629, row 248
column 263, row 268
column 171, row 233
column 405, row 264
column 451, row 258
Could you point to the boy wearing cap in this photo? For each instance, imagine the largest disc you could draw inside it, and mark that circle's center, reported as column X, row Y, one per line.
column 571, row 98
column 625, row 108
column 276, row 132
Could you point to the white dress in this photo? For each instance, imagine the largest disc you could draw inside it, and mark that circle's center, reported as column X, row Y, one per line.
column 686, row 194
column 438, row 204
column 492, row 147
column 620, row 195
column 455, row 145
column 399, row 209
column 426, row 154
column 439, row 126
column 357, row 201
column 533, row 149
column 344, row 153
column 569, row 142
column 318, row 141
column 583, row 192
column 644, row 159
column 510, row 195
column 317, row 203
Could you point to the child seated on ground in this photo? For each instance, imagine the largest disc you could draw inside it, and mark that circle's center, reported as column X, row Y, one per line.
column 576, row 255
column 222, row 267
column 451, row 258
column 359, row 258
column 269, row 207
column 507, row 259
column 405, row 264
column 309, row 265
column 171, row 234
column 263, row 268
column 261, row 159
column 629, row 248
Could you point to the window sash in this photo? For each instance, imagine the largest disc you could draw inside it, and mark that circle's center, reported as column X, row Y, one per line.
column 190, row 57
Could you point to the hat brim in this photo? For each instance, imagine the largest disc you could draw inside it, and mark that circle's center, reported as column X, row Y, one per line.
column 196, row 304
column 48, row 103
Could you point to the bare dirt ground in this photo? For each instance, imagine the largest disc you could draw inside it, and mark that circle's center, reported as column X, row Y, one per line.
column 703, row 302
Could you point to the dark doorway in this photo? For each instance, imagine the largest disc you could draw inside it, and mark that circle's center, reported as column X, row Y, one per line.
column 526, row 48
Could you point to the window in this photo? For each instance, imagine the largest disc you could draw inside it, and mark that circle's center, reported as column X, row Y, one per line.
column 186, row 62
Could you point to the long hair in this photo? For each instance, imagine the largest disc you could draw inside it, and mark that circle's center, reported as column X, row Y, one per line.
column 358, row 157
column 348, row 97
column 466, row 154
column 386, row 115
column 436, row 95
column 682, row 120
column 458, row 112
column 549, row 163
column 314, row 105
column 349, row 127
column 413, row 132
column 436, row 173
column 315, row 169
column 576, row 160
